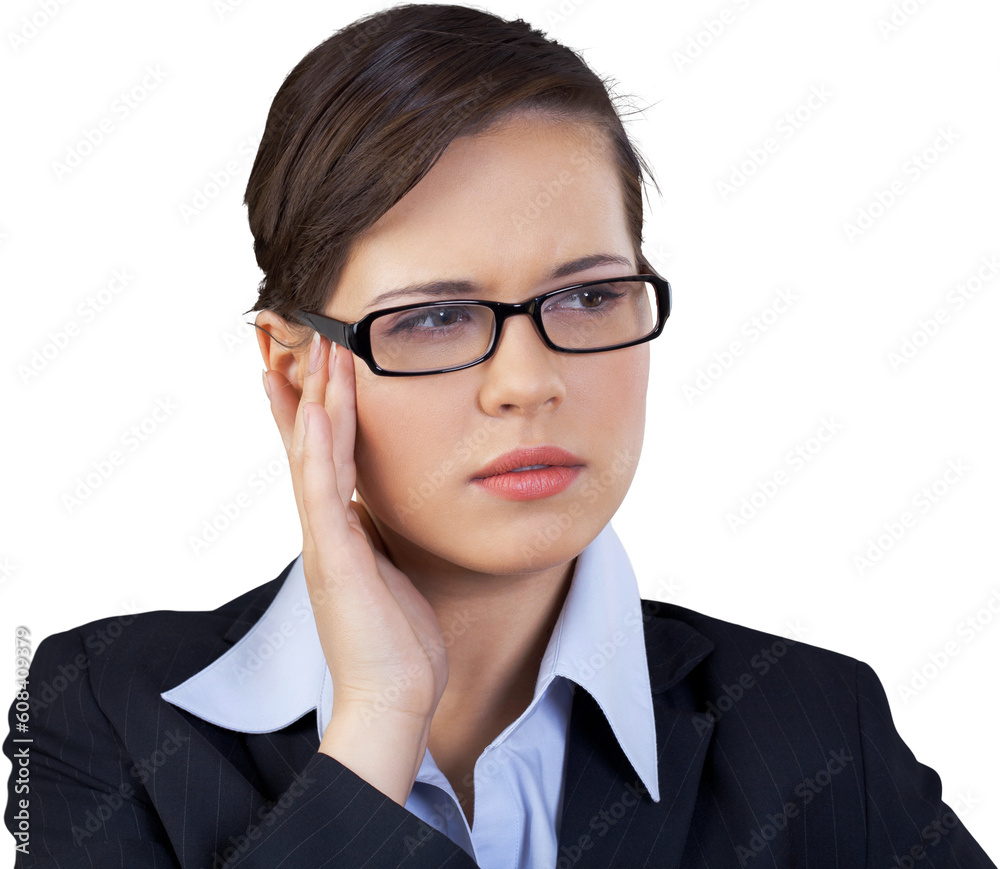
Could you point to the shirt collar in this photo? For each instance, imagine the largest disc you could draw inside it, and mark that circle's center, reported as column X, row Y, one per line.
column 276, row 672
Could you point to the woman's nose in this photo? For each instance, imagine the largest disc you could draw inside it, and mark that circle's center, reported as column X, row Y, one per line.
column 522, row 376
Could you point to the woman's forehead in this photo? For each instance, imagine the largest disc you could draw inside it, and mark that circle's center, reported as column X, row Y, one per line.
column 500, row 204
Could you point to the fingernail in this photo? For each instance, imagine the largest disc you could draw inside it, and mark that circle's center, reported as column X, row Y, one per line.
column 305, row 419
column 333, row 358
column 267, row 388
column 314, row 353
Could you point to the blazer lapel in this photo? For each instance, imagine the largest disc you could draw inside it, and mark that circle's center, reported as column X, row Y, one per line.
column 608, row 817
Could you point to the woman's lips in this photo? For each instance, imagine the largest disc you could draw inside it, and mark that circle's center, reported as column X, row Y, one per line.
column 528, row 457
column 527, row 473
column 530, row 484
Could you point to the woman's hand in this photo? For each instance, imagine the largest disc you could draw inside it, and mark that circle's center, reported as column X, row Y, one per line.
column 381, row 638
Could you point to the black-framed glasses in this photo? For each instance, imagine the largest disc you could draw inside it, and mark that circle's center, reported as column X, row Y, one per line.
column 435, row 337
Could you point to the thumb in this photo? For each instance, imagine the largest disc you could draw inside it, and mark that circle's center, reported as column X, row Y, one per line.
column 368, row 526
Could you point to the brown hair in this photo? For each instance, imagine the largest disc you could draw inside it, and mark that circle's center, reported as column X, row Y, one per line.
column 365, row 115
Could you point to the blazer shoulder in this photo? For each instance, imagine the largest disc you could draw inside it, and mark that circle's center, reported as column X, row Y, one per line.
column 160, row 645
column 736, row 645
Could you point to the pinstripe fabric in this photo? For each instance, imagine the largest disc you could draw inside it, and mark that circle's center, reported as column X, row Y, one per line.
column 771, row 754
column 277, row 672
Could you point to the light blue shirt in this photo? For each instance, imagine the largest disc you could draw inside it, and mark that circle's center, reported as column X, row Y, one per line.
column 277, row 673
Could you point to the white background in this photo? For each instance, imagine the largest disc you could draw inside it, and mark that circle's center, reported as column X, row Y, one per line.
column 175, row 333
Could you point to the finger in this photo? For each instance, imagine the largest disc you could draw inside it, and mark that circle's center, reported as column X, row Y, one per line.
column 313, row 386
column 314, row 380
column 284, row 401
column 286, row 407
column 342, row 406
column 365, row 519
column 335, row 532
column 325, row 517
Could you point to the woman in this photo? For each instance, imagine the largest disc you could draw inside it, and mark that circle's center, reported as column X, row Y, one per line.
column 488, row 687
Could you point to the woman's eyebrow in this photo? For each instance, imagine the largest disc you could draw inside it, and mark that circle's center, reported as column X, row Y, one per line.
column 455, row 288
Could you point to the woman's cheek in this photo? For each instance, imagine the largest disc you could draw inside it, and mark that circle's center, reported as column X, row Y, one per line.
column 375, row 460
column 398, row 457
column 622, row 425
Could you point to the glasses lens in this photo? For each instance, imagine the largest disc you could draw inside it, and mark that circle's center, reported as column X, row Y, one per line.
column 431, row 337
column 601, row 316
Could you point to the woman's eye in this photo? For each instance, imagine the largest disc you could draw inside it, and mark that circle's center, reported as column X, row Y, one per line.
column 590, row 299
column 438, row 318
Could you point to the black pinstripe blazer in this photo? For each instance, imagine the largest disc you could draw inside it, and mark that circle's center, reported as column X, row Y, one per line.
column 771, row 754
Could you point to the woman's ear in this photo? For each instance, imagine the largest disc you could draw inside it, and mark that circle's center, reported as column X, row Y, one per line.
column 273, row 336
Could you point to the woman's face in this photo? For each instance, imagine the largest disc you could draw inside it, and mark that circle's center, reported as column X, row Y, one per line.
column 500, row 210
